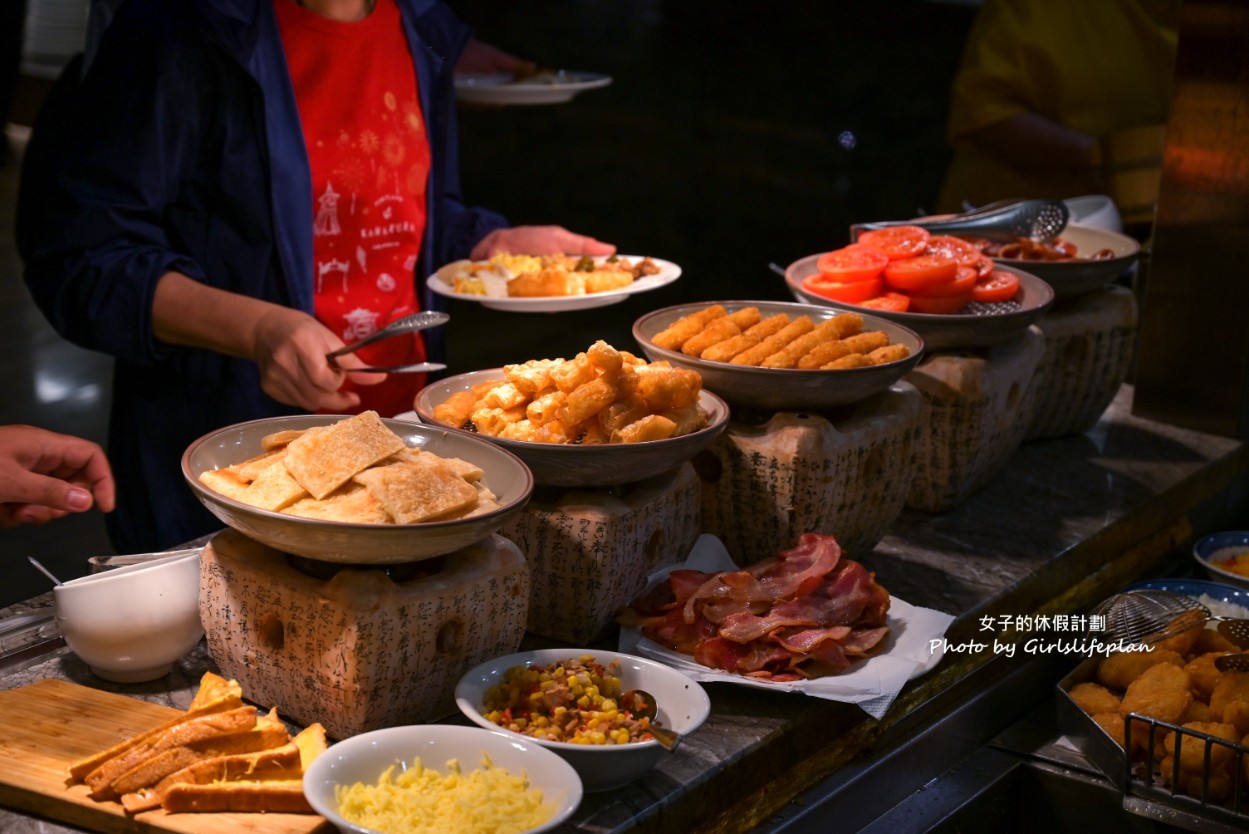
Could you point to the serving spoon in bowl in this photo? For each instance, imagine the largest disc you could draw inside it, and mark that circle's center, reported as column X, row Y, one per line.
column 642, row 704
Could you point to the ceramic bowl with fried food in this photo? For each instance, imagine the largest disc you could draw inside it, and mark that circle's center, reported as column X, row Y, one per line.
column 780, row 389
column 359, row 543
column 581, row 464
column 1101, row 257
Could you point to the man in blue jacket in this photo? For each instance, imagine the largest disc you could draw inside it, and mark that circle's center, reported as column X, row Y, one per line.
column 166, row 218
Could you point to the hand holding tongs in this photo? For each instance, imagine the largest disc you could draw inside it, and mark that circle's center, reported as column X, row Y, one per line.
column 417, row 321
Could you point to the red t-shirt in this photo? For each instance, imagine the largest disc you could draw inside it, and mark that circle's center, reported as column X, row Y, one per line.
column 355, row 84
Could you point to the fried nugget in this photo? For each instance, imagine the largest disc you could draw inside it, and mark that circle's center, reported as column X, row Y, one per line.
column 1112, row 723
column 1204, row 674
column 1231, row 686
column 1162, row 691
column 1094, row 698
column 1120, row 669
column 1189, row 622
column 1237, row 714
column 1193, row 777
column 1209, row 640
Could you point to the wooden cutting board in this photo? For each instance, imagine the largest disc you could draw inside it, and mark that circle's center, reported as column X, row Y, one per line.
column 46, row 726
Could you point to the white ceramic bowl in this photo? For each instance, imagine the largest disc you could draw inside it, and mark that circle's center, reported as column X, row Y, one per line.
column 343, row 543
column 777, row 389
column 1218, row 546
column 987, row 325
column 130, row 624
column 575, row 465
column 682, row 703
column 1074, row 278
column 363, row 758
column 1096, row 210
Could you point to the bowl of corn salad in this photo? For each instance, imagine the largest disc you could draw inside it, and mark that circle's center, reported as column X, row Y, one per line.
column 568, row 700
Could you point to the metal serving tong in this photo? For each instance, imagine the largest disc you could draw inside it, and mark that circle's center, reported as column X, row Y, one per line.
column 408, row 324
column 1148, row 615
column 1038, row 220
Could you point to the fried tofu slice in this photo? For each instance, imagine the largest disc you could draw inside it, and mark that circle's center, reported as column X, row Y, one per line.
column 324, row 460
column 418, row 489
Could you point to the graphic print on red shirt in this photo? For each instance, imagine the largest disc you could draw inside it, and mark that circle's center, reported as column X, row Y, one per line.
column 355, row 84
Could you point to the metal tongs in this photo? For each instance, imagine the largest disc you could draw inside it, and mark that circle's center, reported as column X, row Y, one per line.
column 408, row 324
column 1038, row 220
column 1147, row 615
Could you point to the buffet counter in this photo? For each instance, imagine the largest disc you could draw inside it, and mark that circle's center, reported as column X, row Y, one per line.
column 1066, row 523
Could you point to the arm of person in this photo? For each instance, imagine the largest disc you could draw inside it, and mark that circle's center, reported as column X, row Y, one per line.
column 539, row 240
column 1029, row 140
column 45, row 475
column 289, row 346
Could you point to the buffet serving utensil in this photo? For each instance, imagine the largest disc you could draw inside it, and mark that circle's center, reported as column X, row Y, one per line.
column 1147, row 615
column 1038, row 220
column 642, row 704
column 39, row 567
column 408, row 324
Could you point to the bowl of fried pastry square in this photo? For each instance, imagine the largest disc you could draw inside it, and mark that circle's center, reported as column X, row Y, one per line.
column 778, row 356
column 602, row 418
column 356, row 489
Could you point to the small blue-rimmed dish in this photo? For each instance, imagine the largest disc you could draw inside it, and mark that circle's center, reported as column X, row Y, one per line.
column 1217, row 547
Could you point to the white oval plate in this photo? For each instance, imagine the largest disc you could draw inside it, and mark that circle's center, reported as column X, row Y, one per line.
column 501, row 88
column 668, row 272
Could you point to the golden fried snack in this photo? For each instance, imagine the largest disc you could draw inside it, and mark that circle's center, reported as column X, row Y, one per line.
column 1162, row 691
column 551, row 280
column 1193, row 774
column 544, row 408
column 586, row 400
column 788, row 356
column 567, row 376
column 1231, row 686
column 455, row 410
column 721, row 329
column 726, row 350
column 889, row 353
column 1094, row 698
column 665, row 388
column 1209, row 640
column 1120, row 669
column 529, row 377
column 866, row 342
column 1112, row 723
column 1235, row 713
column 1198, row 711
column 823, row 354
column 605, row 280
column 676, row 334
column 503, row 396
column 1183, row 642
column 1204, row 674
column 850, row 360
column 650, row 427
column 775, row 342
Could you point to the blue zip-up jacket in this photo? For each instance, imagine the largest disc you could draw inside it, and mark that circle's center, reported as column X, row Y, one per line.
column 181, row 149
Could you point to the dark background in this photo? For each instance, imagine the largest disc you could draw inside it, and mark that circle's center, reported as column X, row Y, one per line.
column 733, row 135
column 716, row 147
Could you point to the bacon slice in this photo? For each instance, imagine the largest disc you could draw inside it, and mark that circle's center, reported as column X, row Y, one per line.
column 806, row 613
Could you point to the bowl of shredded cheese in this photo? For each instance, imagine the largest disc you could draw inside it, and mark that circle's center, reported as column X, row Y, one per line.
column 570, row 701
column 422, row 779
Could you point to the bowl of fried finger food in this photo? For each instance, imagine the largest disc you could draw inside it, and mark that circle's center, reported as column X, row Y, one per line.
column 356, row 489
column 605, row 417
column 775, row 355
column 1081, row 259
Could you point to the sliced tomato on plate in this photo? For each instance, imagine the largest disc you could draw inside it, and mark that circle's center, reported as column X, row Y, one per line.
column 944, row 304
column 849, row 292
column 964, row 252
column 985, row 265
column 890, row 302
column 915, row 273
column 964, row 282
column 852, row 263
column 998, row 286
column 896, row 242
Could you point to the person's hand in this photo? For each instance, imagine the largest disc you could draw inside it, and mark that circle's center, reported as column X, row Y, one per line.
column 538, row 240
column 290, row 348
column 45, row 475
column 479, row 56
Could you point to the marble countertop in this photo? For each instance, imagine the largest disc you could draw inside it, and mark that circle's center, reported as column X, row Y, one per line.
column 1067, row 522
